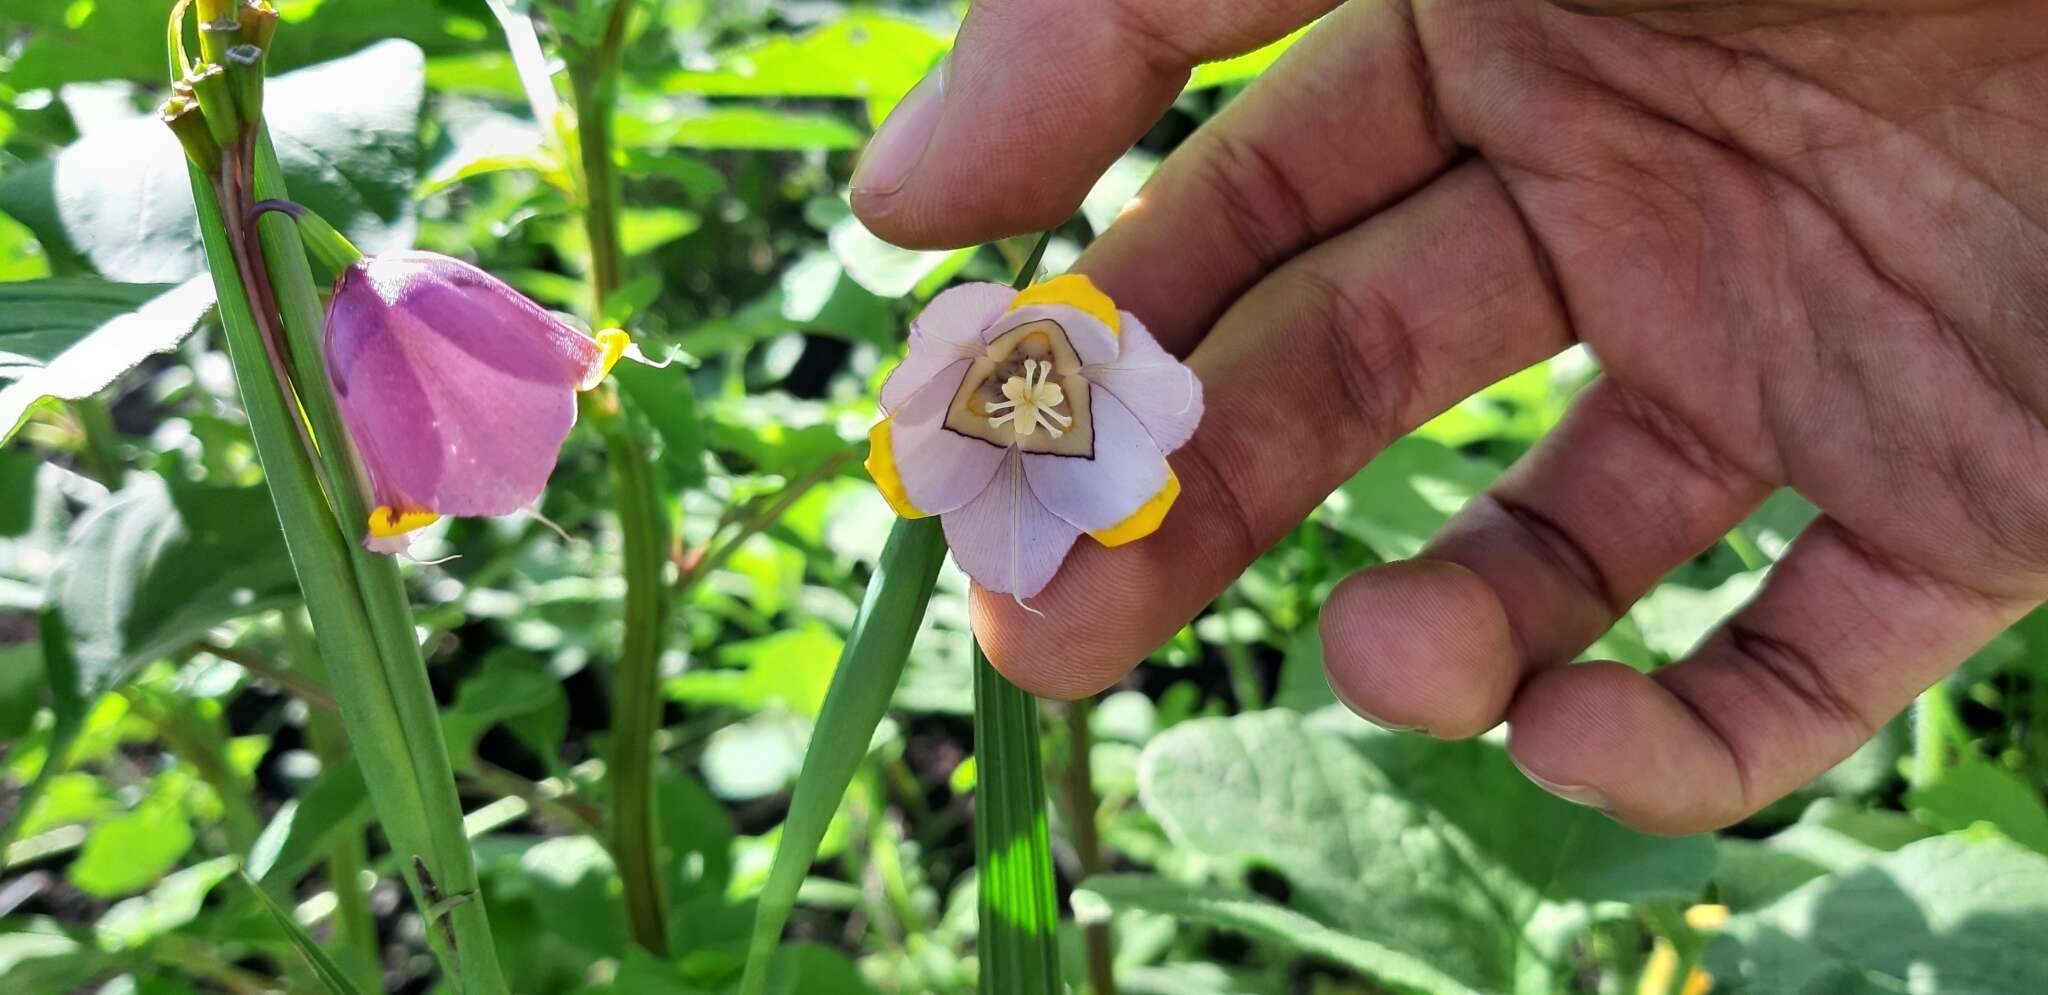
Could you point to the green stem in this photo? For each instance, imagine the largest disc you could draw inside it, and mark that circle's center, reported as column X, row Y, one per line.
column 1082, row 806
column 643, row 518
column 404, row 693
column 1237, row 657
column 355, row 928
column 1019, row 943
column 1934, row 726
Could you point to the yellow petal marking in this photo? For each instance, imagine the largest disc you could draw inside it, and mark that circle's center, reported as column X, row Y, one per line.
column 386, row 521
column 1146, row 519
column 611, row 343
column 1075, row 291
column 881, row 466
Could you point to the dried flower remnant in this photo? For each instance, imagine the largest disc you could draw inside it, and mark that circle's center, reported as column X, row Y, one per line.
column 1026, row 418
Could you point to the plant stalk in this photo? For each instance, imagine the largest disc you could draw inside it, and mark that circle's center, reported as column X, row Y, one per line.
column 643, row 516
column 1082, row 809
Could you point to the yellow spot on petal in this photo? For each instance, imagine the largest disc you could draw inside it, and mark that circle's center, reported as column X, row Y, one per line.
column 1075, row 291
column 1146, row 519
column 881, row 466
column 387, row 522
column 611, row 343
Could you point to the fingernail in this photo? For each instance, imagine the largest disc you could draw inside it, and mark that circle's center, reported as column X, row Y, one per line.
column 1577, row 794
column 896, row 148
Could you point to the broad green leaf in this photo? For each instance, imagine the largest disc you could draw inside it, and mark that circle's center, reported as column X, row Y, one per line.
column 755, row 757
column 1243, row 68
column 1674, row 618
column 757, row 129
column 174, row 902
column 885, row 270
column 128, row 852
column 1439, row 851
column 1975, row 791
column 155, row 567
column 1950, row 915
column 124, row 39
column 22, row 682
column 577, row 892
column 1118, row 188
column 663, row 397
column 1404, row 495
column 1256, row 917
column 118, row 202
column 867, row 56
column 40, row 956
column 792, row 667
column 514, row 689
column 71, row 339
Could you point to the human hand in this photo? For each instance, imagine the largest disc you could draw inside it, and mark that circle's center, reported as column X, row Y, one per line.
column 1805, row 240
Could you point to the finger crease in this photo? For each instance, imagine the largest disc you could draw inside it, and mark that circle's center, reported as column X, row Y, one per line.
column 1565, row 553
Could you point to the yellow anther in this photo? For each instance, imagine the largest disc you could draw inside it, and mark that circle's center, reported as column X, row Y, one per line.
column 612, row 343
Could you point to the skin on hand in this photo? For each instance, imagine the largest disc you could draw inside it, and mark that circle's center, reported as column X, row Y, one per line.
column 1805, row 239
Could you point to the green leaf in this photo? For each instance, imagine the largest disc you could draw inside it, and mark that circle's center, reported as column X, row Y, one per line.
column 331, row 975
column 792, row 667
column 118, row 201
column 70, row 339
column 1442, row 852
column 124, row 39
column 1243, row 68
column 306, row 828
column 756, row 129
column 885, row 270
column 868, row 56
column 664, row 399
column 1951, row 914
column 174, row 902
column 127, row 852
column 577, row 892
column 39, row 956
column 1018, row 944
column 22, row 682
column 1405, row 495
column 1974, row 791
column 1256, row 917
column 512, row 688
column 862, row 684
column 155, row 567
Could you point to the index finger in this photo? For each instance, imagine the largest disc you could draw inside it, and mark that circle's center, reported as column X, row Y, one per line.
column 1037, row 99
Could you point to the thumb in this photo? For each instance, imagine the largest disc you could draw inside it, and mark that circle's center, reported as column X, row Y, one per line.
column 1036, row 100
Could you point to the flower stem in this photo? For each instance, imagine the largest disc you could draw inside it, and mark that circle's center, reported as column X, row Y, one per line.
column 643, row 516
column 1082, row 805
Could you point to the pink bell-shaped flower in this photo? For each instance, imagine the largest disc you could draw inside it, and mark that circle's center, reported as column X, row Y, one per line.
column 457, row 390
column 1025, row 419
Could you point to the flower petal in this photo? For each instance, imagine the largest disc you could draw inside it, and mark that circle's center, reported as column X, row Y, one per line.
column 1160, row 390
column 922, row 467
column 1097, row 494
column 947, row 330
column 457, row 391
column 1092, row 340
column 1005, row 539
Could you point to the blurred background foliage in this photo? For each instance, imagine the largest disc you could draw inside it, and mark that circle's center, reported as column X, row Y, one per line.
column 1235, row 830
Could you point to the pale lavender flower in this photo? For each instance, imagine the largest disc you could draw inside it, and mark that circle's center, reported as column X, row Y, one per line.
column 1025, row 419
